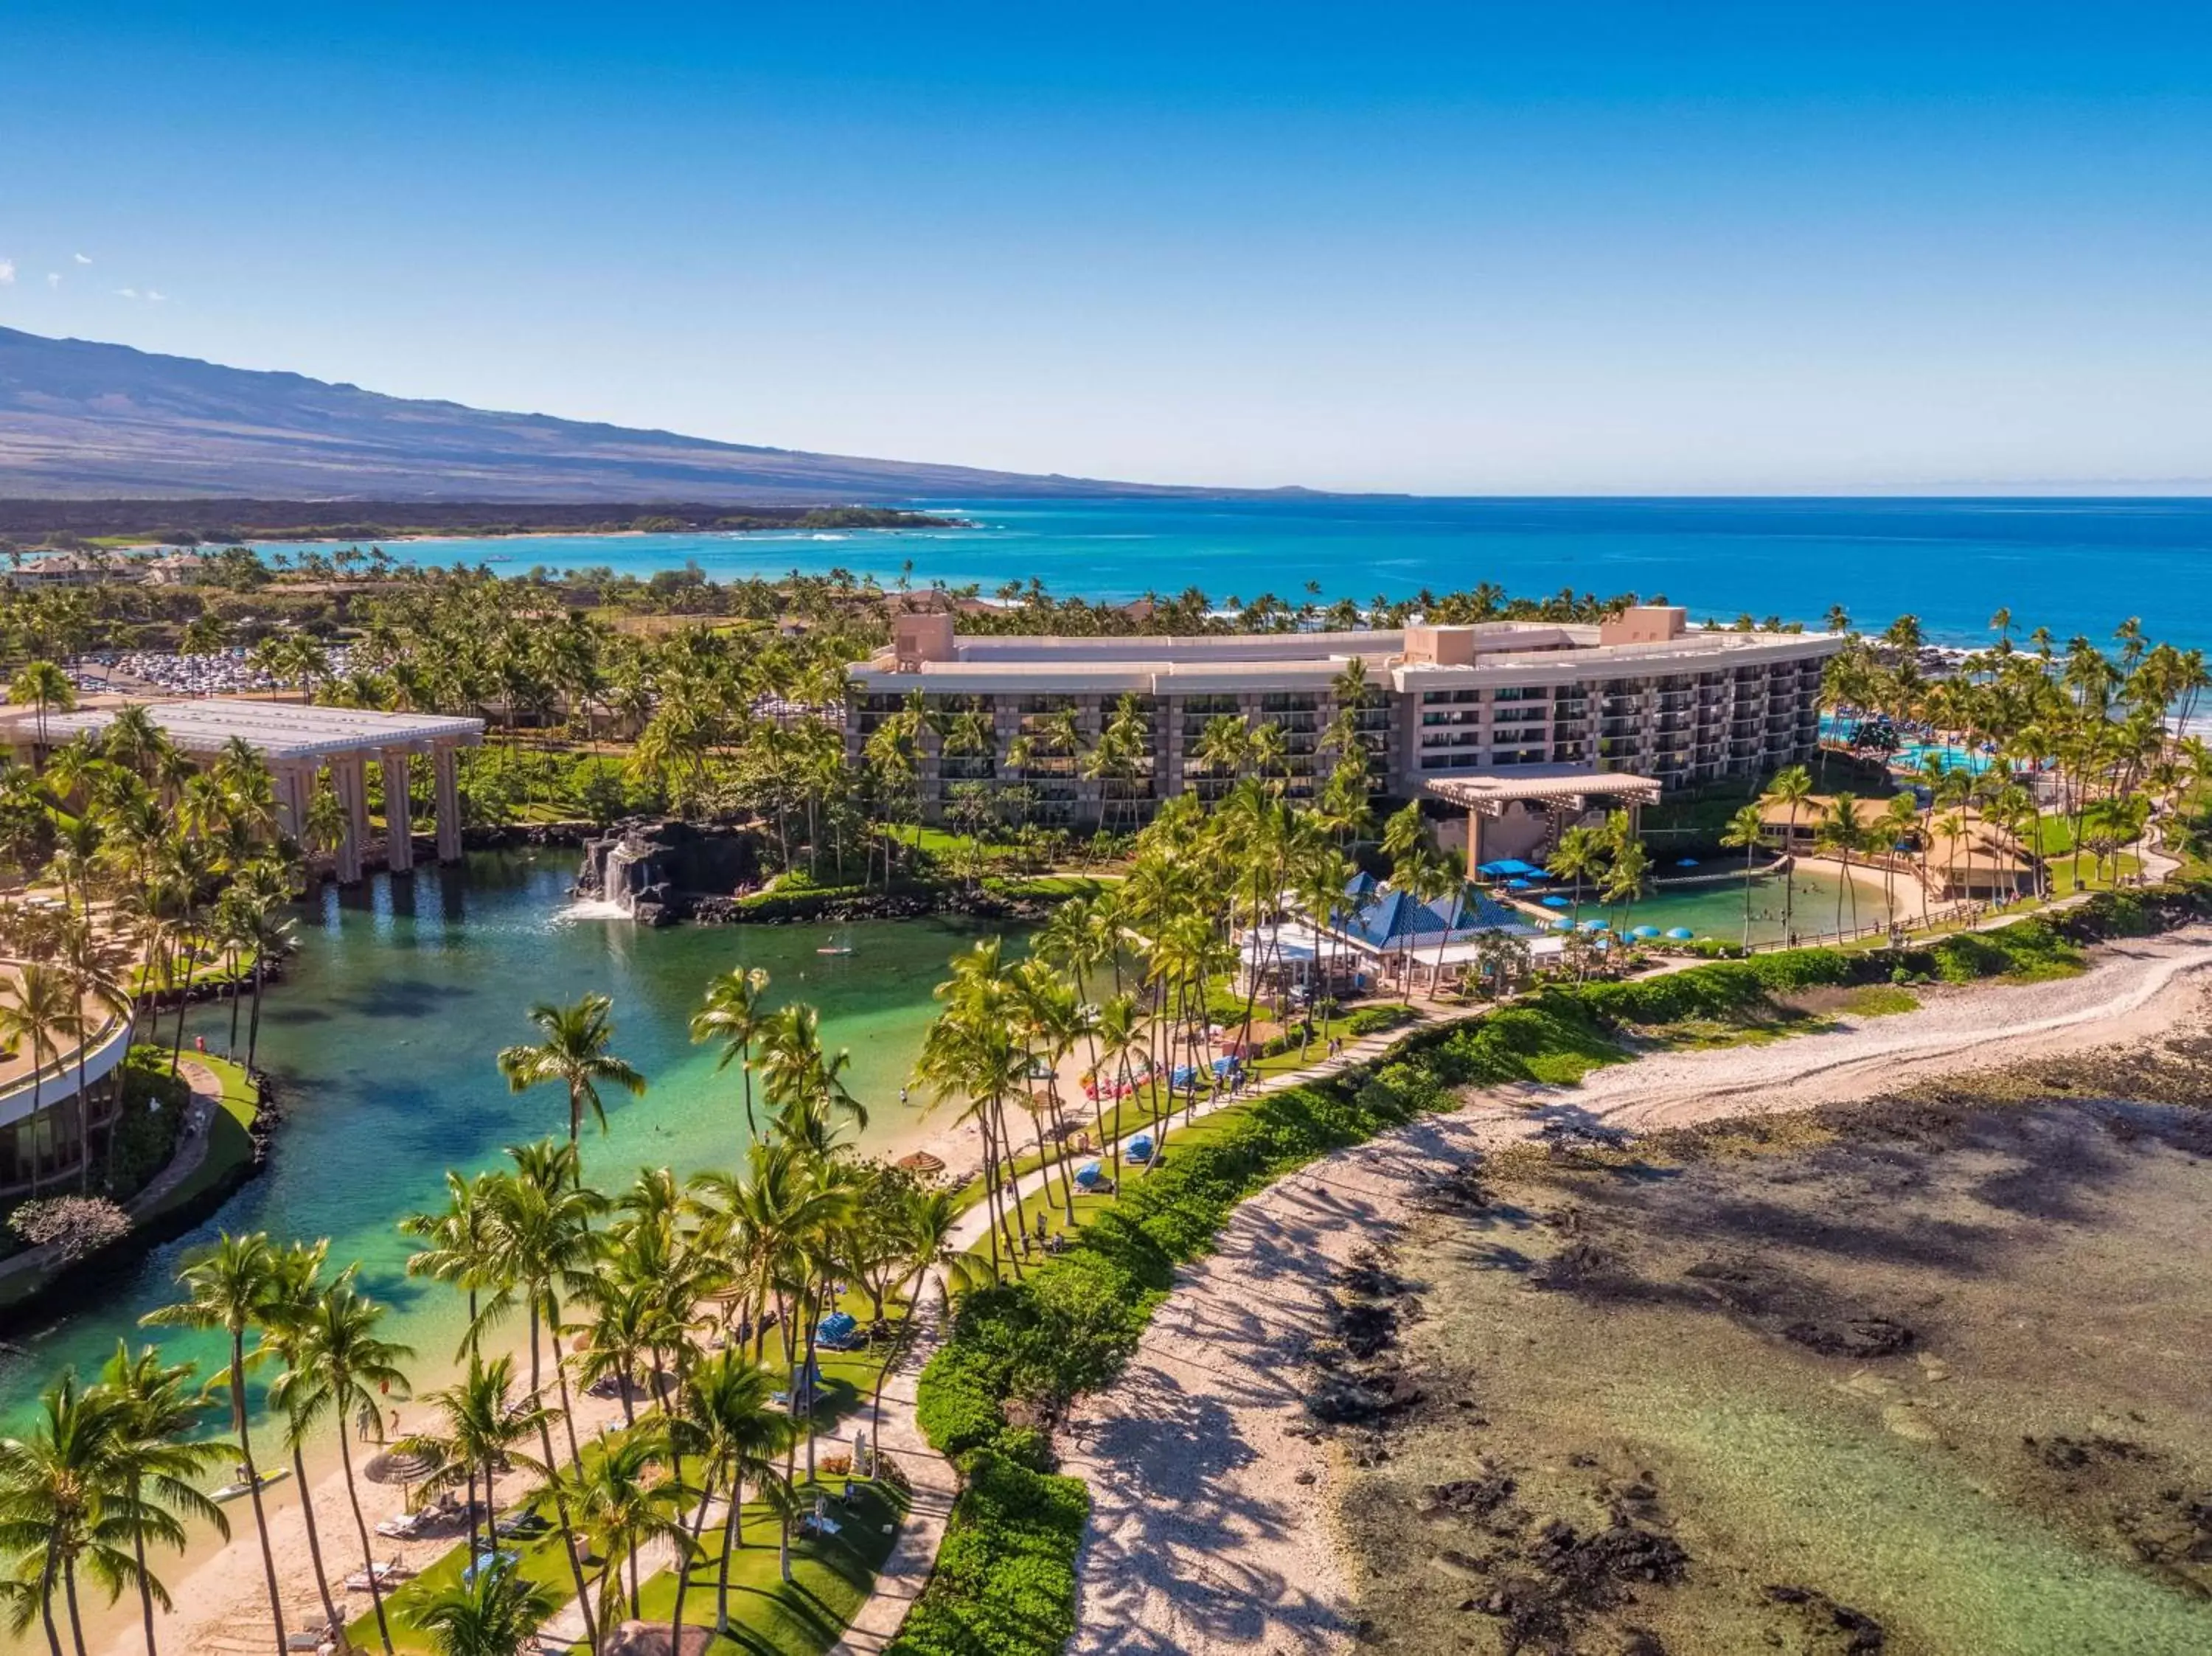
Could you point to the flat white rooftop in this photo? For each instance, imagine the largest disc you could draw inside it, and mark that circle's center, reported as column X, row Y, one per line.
column 276, row 730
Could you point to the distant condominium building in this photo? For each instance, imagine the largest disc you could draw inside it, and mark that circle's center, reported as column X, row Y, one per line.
column 1639, row 696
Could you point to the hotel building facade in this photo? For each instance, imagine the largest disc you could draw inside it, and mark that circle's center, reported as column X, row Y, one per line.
column 1641, row 694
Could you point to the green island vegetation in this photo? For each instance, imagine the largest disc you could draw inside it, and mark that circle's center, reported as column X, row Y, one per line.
column 75, row 525
column 737, row 1320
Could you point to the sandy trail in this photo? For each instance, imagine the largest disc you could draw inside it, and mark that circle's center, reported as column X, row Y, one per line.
column 1210, row 1531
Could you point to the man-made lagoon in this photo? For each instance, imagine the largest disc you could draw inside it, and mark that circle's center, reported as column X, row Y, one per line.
column 382, row 1041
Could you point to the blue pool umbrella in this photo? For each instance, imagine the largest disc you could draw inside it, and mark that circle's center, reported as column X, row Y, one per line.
column 1685, row 862
column 1516, row 885
column 1680, row 933
column 1561, row 923
column 1644, row 931
column 1557, row 902
column 1596, row 926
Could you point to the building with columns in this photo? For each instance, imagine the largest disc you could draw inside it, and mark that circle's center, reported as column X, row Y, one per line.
column 1533, row 707
column 300, row 743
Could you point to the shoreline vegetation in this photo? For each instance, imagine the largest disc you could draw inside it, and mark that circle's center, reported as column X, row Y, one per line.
column 1020, row 1354
column 723, row 704
column 67, row 524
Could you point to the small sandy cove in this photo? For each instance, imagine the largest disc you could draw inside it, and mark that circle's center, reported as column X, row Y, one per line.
column 1210, row 1531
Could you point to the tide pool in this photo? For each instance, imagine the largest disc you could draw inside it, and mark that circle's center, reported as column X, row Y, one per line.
column 2075, row 565
column 382, row 1041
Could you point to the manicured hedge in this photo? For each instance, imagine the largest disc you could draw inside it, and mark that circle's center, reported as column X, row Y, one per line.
column 1005, row 1584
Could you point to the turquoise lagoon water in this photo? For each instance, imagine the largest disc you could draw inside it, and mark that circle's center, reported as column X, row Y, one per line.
column 383, row 1037
column 1714, row 908
column 2075, row 565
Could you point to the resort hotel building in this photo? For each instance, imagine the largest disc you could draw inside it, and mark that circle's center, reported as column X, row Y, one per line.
column 1524, row 725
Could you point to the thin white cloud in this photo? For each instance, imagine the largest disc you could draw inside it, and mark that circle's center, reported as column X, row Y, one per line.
column 155, row 295
column 81, row 259
column 7, row 272
column 128, row 293
column 53, row 278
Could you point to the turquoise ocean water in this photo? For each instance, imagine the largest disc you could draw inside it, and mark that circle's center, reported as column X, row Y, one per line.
column 2075, row 565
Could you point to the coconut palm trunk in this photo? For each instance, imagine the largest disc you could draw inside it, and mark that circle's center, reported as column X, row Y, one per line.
column 553, row 1484
column 253, row 1482
column 361, row 1529
column 331, row 1617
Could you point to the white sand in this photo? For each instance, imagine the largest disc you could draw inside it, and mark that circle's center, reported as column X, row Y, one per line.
column 1203, row 1540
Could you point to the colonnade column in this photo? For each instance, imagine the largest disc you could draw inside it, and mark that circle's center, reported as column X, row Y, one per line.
column 446, row 769
column 350, row 777
column 398, row 813
column 293, row 785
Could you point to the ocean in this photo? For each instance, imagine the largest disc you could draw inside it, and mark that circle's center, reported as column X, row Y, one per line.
column 2074, row 565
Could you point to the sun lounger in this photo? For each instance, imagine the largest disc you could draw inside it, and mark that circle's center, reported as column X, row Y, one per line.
column 405, row 1527
column 388, row 1571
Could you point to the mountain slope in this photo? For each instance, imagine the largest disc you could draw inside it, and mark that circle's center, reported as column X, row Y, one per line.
column 79, row 419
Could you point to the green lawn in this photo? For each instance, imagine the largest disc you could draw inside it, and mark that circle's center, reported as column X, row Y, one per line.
column 230, row 1143
column 830, row 1578
column 848, row 1380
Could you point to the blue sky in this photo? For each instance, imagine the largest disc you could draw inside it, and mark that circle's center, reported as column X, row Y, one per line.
column 1475, row 248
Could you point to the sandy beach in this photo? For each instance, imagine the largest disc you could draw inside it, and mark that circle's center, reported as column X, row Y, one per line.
column 1210, row 1531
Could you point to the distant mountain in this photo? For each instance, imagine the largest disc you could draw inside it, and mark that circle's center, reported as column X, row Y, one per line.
column 84, row 420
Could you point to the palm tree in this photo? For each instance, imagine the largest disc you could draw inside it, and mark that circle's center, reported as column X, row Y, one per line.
column 727, row 1417
column 228, row 1286
column 542, row 1219
column 39, row 1005
column 462, row 1244
column 45, row 687
column 1790, row 787
column 732, row 1012
column 91, row 970
column 1579, row 855
column 805, row 1082
column 1842, row 831
column 622, row 1503
column 65, row 1504
column 284, row 1316
column 1747, row 828
column 481, row 1429
column 492, row 1611
column 574, row 1056
column 162, row 1462
column 341, row 1368
column 1899, row 819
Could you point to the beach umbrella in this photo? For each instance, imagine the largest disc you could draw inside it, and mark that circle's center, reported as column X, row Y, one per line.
column 1516, row 885
column 1556, row 901
column 1089, row 1174
column 1644, row 931
column 1596, row 926
column 1141, row 1148
column 1685, row 862
column 405, row 1467
column 1561, row 923
column 923, row 1163
column 1680, row 933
